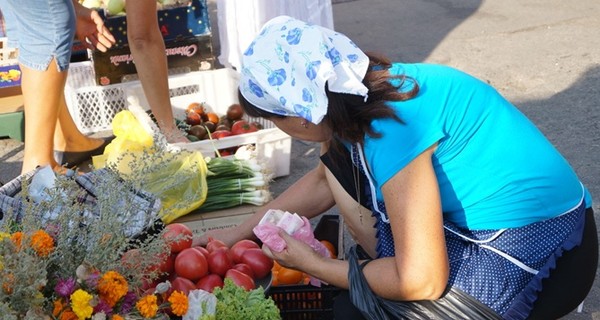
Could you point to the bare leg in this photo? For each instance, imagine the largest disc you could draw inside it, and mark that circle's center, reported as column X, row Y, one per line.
column 67, row 136
column 44, row 102
column 148, row 50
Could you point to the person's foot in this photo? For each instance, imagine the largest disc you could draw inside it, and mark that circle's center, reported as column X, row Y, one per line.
column 74, row 158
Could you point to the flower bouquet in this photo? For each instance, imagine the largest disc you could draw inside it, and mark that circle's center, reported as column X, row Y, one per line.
column 65, row 257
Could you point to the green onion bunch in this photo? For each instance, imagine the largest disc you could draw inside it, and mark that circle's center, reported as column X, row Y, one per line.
column 232, row 182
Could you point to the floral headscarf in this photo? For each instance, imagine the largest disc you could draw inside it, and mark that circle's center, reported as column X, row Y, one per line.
column 285, row 68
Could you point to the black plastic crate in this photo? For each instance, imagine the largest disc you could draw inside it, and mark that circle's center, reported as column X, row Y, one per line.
column 307, row 302
column 304, row 302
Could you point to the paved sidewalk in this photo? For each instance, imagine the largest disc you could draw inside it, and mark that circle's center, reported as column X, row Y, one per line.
column 542, row 55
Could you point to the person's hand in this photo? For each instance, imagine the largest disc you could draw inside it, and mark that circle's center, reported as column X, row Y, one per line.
column 295, row 255
column 176, row 136
column 91, row 31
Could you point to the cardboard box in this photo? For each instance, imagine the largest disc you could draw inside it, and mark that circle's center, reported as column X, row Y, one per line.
column 10, row 76
column 174, row 23
column 206, row 221
column 193, row 54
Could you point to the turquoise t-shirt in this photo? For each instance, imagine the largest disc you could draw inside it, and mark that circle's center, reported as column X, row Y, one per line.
column 495, row 169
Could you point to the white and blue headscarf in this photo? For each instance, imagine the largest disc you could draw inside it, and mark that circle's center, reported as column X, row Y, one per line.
column 285, row 68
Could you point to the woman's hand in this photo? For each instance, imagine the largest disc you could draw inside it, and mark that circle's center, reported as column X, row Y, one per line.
column 90, row 29
column 295, row 255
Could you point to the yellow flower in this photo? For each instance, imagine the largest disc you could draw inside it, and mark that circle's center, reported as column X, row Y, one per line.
column 4, row 235
column 179, row 303
column 42, row 243
column 147, row 306
column 112, row 287
column 80, row 303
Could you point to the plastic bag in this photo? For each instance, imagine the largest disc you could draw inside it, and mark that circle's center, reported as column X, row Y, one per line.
column 177, row 177
column 267, row 230
column 455, row 304
column 137, row 217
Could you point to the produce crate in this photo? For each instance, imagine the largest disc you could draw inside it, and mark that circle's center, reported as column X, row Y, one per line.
column 92, row 107
column 218, row 90
column 174, row 23
column 10, row 73
column 191, row 54
column 201, row 222
column 306, row 302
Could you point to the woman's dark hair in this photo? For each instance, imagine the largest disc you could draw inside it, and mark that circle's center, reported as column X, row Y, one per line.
column 348, row 115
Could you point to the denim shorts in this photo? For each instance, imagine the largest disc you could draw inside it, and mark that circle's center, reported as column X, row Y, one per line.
column 40, row 30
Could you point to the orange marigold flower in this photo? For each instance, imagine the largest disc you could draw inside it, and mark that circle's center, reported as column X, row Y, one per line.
column 179, row 303
column 8, row 283
column 42, row 243
column 62, row 311
column 112, row 286
column 17, row 238
column 117, row 317
column 147, row 306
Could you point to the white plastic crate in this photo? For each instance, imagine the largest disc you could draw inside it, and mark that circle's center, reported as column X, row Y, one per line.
column 217, row 89
column 92, row 107
column 8, row 56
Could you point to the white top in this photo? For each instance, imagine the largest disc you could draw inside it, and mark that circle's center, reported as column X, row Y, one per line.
column 239, row 21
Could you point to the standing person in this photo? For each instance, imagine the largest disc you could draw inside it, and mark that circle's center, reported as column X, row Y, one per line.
column 148, row 49
column 43, row 32
column 474, row 214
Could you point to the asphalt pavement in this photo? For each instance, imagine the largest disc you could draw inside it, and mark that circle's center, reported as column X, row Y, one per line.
column 542, row 55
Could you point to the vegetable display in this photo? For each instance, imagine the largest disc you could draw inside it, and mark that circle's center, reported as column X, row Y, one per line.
column 234, row 182
column 208, row 267
column 234, row 303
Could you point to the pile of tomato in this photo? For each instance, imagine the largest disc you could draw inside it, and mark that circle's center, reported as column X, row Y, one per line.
column 196, row 267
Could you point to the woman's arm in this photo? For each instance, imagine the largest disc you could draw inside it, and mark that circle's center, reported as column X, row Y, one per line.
column 309, row 197
column 148, row 50
column 420, row 268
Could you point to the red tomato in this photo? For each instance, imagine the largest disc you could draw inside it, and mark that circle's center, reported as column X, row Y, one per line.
column 219, row 262
column 235, row 112
column 167, row 265
column 240, row 279
column 239, row 247
column 258, row 261
column 218, row 134
column 244, row 268
column 243, row 126
column 181, row 284
column 202, row 250
column 193, row 118
column 214, row 244
column 178, row 236
column 209, row 282
column 195, row 107
column 131, row 259
column 191, row 264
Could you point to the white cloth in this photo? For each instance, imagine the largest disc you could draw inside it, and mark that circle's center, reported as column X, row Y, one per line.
column 239, row 21
column 285, row 69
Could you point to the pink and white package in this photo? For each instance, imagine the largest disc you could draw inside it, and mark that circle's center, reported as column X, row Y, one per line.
column 298, row 227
